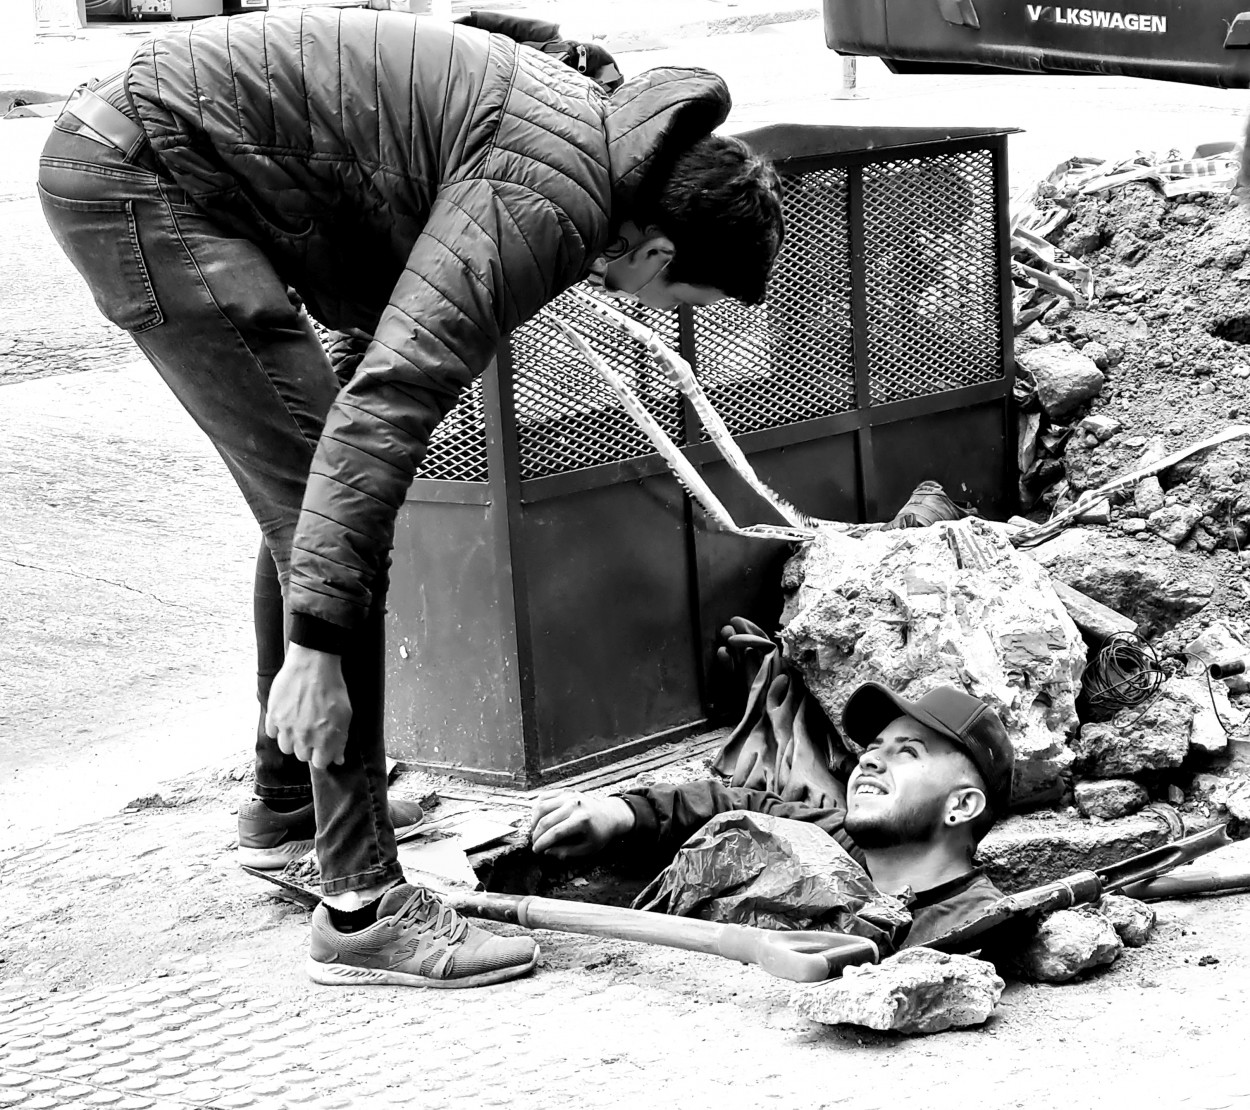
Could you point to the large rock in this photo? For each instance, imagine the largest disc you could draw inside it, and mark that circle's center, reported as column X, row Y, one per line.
column 1023, row 852
column 1149, row 582
column 1148, row 496
column 1066, row 944
column 916, row 991
column 1065, row 378
column 1108, row 799
column 1132, row 920
column 1218, row 644
column 952, row 604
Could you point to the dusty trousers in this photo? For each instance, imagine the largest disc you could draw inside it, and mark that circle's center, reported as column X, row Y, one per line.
column 215, row 320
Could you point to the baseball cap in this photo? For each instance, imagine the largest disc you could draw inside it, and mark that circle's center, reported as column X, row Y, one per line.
column 963, row 719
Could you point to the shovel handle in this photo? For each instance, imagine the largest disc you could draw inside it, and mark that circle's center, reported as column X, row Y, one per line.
column 812, row 957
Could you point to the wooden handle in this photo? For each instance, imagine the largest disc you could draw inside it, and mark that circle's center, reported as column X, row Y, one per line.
column 533, row 912
column 1185, row 884
column 803, row 957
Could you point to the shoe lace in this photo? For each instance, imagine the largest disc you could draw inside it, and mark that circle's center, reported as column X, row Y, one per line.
column 425, row 913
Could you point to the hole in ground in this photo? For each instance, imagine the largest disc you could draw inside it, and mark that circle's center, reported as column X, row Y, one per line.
column 1236, row 329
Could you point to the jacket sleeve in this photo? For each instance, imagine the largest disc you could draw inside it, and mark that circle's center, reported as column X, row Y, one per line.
column 665, row 817
column 490, row 256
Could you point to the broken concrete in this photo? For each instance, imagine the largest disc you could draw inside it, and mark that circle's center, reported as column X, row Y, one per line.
column 916, row 991
column 1023, row 852
column 1108, row 799
column 952, row 604
column 1135, row 740
column 1065, row 378
column 1148, row 496
column 1067, row 944
column 1181, row 718
column 1132, row 920
column 1147, row 581
column 1173, row 522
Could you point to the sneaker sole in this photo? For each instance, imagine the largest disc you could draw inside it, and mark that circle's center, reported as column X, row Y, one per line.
column 276, row 858
column 345, row 975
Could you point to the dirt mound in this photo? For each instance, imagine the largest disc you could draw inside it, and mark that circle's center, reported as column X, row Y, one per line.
column 1170, row 328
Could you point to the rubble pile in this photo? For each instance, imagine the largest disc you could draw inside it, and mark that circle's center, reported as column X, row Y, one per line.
column 1158, row 359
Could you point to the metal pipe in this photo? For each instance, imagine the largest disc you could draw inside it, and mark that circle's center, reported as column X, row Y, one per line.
column 1228, row 669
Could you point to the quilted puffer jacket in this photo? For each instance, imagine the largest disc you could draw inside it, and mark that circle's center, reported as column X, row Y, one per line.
column 433, row 186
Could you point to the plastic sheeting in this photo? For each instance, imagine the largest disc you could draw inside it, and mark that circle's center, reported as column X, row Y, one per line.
column 775, row 873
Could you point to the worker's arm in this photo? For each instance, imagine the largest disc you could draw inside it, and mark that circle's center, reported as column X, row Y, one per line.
column 665, row 816
column 490, row 256
column 657, row 820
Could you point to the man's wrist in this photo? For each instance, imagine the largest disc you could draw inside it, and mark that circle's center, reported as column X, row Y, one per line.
column 623, row 819
column 320, row 635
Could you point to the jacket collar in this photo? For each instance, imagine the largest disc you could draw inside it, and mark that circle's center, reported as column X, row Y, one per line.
column 652, row 119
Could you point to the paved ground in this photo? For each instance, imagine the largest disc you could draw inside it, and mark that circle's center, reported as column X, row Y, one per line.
column 123, row 661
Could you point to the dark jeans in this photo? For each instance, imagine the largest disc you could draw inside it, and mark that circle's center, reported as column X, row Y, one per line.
column 217, row 323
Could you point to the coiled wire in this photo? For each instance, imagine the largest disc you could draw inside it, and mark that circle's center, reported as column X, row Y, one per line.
column 1126, row 673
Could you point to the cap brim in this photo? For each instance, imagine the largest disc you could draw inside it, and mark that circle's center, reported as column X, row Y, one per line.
column 873, row 706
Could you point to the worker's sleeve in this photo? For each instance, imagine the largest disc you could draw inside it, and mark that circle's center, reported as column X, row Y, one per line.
column 665, row 817
column 490, row 256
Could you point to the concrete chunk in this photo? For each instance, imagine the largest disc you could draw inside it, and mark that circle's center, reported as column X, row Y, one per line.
column 1110, row 798
column 953, row 604
column 916, row 991
column 1066, row 944
column 1132, row 920
column 1024, row 852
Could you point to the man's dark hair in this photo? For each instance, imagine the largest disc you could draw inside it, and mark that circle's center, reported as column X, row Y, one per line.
column 721, row 207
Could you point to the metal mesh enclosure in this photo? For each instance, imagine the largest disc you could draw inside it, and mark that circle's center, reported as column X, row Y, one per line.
column 792, row 359
column 931, row 274
column 457, row 449
column 566, row 416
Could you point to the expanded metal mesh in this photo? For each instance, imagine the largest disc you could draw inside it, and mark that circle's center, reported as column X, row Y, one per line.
column 792, row 359
column 567, row 417
column 931, row 275
column 457, row 449
column 930, row 282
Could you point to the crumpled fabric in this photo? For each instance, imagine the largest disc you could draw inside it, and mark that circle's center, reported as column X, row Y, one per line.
column 783, row 743
column 746, row 868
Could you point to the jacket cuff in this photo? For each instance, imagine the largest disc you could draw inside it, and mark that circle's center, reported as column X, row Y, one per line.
column 319, row 635
column 646, row 828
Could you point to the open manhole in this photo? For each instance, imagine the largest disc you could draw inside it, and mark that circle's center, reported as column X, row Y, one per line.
column 1236, row 329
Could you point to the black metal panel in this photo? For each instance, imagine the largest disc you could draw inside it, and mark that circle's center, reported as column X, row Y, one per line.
column 610, row 614
column 451, row 678
column 963, row 449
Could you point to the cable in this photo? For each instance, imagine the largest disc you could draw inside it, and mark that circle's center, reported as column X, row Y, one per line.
column 1125, row 673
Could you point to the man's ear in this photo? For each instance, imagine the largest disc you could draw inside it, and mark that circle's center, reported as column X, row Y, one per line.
column 641, row 263
column 965, row 804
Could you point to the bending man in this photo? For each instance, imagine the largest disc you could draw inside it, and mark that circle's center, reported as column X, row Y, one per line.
column 431, row 187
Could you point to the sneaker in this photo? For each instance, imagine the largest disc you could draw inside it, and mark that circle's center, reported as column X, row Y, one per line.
column 269, row 840
column 417, row 941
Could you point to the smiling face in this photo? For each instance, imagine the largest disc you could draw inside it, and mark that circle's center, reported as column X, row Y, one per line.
column 907, row 784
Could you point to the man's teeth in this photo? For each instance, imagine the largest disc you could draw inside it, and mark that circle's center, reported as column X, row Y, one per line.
column 868, row 788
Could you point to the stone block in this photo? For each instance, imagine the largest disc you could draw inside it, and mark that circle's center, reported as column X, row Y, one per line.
column 1132, row 920
column 1023, row 852
column 1101, row 427
column 1065, row 378
column 1110, row 798
column 1067, row 944
column 916, row 991
column 1155, row 741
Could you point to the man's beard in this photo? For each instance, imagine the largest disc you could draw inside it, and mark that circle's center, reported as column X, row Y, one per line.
column 916, row 824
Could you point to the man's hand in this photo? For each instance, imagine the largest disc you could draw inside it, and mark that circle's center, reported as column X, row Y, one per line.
column 567, row 824
column 308, row 707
